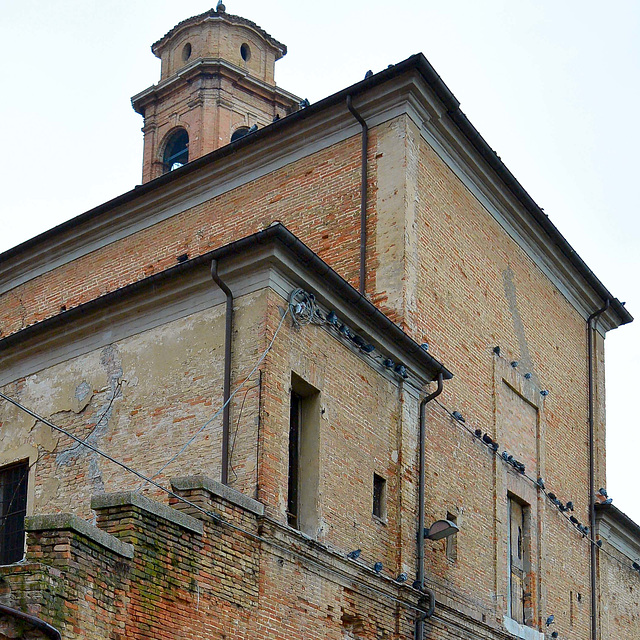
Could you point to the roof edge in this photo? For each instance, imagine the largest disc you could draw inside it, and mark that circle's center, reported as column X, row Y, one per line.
column 277, row 232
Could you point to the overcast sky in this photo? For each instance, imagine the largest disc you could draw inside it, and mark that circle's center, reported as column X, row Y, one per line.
column 552, row 85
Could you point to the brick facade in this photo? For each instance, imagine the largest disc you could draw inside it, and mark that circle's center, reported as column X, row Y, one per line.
column 113, row 330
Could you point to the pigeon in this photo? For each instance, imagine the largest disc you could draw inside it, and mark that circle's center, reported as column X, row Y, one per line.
column 550, row 620
column 478, row 433
column 220, row 8
column 402, row 578
column 368, row 74
column 514, row 363
column 608, row 501
column 253, row 129
column 303, row 104
column 354, row 555
column 569, row 506
column 544, row 393
column 377, row 567
column 540, row 483
column 496, row 350
column 417, row 585
column 574, row 520
column 603, row 492
column 554, row 634
column 636, row 566
column 552, row 496
column 527, row 376
column 458, row 416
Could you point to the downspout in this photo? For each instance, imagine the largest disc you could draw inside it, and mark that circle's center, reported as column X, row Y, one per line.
column 227, row 371
column 36, row 623
column 419, row 635
column 591, row 326
column 363, row 192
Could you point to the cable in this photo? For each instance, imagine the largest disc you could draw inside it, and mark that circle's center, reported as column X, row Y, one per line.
column 215, row 517
column 589, row 537
column 100, row 419
column 219, row 411
column 235, row 431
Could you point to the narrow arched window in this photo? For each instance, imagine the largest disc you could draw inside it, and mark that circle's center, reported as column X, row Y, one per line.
column 176, row 151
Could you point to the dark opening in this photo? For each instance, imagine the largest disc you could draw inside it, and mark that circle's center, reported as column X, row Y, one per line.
column 13, row 508
column 379, row 497
column 245, row 52
column 186, row 52
column 294, row 460
column 239, row 133
column 176, row 152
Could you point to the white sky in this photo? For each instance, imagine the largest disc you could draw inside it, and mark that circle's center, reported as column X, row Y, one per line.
column 552, row 85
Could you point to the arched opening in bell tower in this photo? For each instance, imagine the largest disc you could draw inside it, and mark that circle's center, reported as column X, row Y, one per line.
column 176, row 150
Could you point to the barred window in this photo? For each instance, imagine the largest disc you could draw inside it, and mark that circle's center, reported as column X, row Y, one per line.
column 13, row 508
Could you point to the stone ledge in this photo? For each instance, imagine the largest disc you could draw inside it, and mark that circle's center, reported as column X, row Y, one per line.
column 70, row 522
column 131, row 498
column 220, row 490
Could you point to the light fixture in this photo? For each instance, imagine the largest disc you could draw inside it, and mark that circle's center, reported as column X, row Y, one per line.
column 440, row 529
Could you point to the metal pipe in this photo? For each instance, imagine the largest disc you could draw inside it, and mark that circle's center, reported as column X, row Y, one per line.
column 36, row 623
column 224, row 476
column 591, row 325
column 419, row 635
column 363, row 193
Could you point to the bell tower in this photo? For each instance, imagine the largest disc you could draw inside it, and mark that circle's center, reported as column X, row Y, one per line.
column 216, row 82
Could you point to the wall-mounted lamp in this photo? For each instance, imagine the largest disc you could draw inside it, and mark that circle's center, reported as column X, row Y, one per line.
column 440, row 529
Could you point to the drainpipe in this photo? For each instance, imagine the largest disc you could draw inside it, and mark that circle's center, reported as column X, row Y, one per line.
column 419, row 635
column 592, row 320
column 227, row 371
column 36, row 623
column 363, row 191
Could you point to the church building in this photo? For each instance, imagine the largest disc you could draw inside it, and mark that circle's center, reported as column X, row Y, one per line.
column 327, row 372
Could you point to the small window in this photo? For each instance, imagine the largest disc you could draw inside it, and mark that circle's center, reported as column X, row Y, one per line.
column 176, row 151
column 239, row 133
column 13, row 508
column 245, row 52
column 519, row 543
column 186, row 52
column 303, row 475
column 379, row 497
column 452, row 541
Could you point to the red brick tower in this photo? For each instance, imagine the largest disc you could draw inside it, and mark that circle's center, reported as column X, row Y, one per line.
column 216, row 82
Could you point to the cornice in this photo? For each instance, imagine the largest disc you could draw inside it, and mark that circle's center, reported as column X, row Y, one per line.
column 618, row 530
column 270, row 259
column 406, row 89
column 203, row 66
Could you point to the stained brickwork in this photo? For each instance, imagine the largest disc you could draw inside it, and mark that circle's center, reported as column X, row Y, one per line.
column 452, row 270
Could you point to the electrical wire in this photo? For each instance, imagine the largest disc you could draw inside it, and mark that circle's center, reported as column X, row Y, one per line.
column 235, row 431
column 100, row 419
column 214, row 516
column 590, row 537
column 231, row 396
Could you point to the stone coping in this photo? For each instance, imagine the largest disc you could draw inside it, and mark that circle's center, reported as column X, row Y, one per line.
column 219, row 490
column 71, row 522
column 131, row 498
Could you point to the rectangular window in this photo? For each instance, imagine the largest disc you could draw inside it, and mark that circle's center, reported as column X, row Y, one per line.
column 518, row 560
column 13, row 508
column 452, row 541
column 294, row 459
column 379, row 496
column 304, row 465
